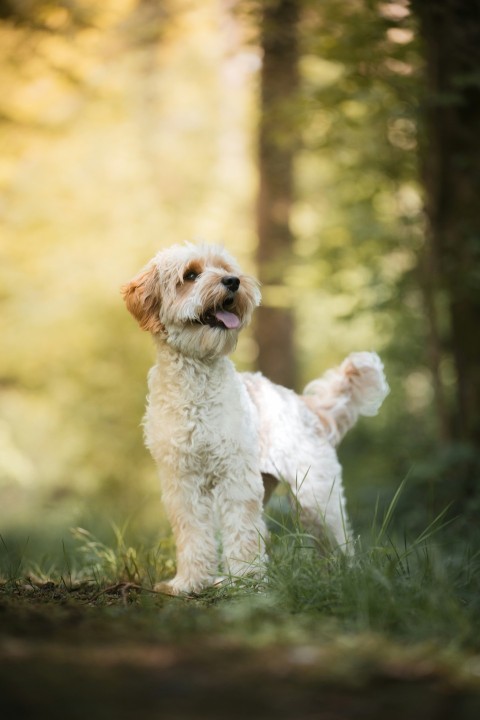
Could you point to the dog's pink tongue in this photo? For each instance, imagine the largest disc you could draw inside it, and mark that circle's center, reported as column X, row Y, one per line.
column 230, row 320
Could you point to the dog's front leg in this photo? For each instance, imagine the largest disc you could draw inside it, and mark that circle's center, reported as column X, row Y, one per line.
column 190, row 511
column 239, row 506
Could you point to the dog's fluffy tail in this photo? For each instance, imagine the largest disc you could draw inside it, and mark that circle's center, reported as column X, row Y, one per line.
column 356, row 387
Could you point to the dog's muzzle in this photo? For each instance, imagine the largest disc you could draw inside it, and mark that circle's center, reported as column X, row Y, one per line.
column 222, row 317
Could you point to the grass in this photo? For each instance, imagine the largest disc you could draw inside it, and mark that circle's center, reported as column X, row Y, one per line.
column 426, row 587
column 409, row 589
column 398, row 609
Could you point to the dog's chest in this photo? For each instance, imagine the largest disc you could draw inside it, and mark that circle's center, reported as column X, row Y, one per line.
column 199, row 422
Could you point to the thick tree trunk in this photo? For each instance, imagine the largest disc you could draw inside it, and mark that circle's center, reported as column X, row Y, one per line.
column 277, row 145
column 450, row 31
column 428, row 280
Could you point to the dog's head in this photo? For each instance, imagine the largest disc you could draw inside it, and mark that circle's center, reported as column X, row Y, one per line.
column 195, row 298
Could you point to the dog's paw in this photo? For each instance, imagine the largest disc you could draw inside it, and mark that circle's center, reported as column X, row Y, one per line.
column 180, row 587
column 220, row 580
column 169, row 587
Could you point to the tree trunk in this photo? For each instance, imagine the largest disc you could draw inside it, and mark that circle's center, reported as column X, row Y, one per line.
column 277, row 145
column 450, row 31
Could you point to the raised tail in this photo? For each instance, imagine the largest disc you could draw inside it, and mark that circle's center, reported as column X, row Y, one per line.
column 356, row 387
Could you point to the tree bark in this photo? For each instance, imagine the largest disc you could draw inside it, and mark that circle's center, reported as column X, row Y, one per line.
column 450, row 32
column 277, row 146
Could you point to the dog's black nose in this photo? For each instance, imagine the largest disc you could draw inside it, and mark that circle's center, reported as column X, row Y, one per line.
column 231, row 282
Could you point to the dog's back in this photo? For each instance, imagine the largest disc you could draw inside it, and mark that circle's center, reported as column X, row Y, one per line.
column 356, row 387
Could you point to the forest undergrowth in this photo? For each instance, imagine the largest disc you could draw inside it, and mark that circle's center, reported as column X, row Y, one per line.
column 420, row 589
column 397, row 610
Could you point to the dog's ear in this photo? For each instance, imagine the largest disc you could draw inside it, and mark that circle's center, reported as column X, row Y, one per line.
column 142, row 298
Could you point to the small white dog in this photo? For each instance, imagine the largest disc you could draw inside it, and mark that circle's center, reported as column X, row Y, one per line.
column 215, row 433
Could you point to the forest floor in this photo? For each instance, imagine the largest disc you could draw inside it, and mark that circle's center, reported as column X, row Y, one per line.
column 83, row 651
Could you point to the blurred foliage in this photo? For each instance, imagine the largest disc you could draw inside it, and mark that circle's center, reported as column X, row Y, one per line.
column 106, row 134
column 127, row 126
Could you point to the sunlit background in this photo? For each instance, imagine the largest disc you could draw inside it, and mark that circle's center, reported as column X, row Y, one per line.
column 127, row 126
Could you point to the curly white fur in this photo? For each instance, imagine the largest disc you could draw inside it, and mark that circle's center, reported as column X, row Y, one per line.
column 214, row 433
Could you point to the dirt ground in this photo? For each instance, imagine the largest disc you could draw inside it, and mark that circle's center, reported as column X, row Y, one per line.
column 64, row 657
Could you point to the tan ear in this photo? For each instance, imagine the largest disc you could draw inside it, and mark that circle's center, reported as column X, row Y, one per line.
column 142, row 299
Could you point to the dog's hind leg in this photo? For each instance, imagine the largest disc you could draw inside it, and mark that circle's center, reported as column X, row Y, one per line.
column 328, row 523
column 321, row 506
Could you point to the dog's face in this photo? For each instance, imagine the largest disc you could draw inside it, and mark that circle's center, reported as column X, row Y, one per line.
column 195, row 298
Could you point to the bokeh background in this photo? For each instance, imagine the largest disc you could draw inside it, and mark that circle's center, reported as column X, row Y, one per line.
column 292, row 132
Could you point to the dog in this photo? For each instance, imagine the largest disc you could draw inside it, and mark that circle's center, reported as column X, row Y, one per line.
column 222, row 439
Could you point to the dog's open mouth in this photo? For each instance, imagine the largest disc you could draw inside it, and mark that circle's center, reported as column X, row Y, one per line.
column 220, row 318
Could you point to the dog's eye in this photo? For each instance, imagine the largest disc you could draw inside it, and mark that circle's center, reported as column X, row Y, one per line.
column 190, row 276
